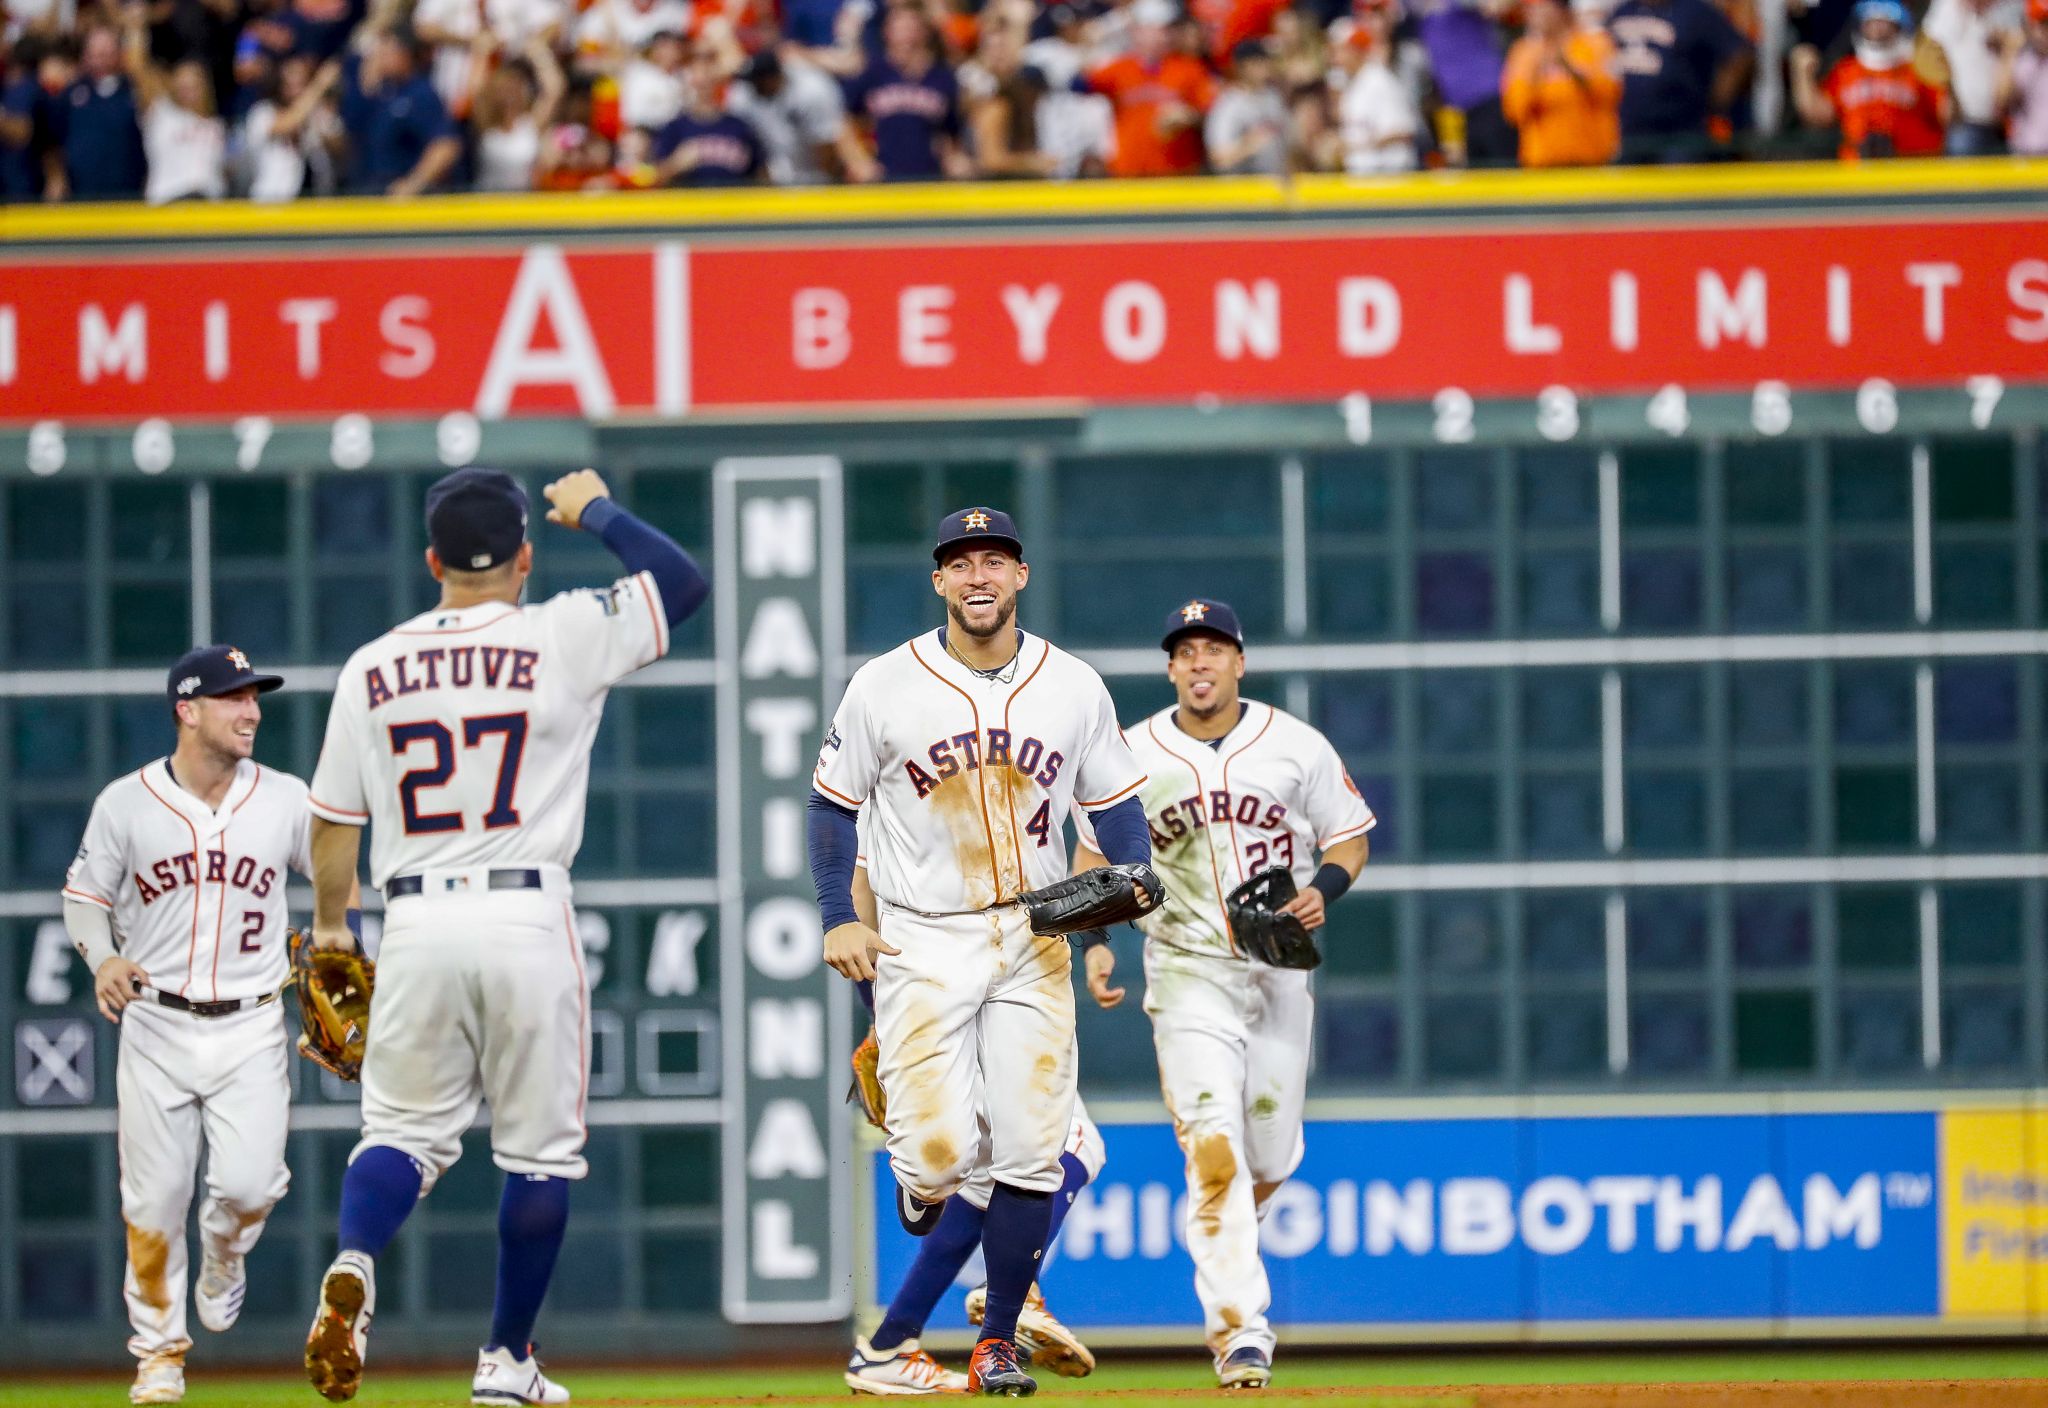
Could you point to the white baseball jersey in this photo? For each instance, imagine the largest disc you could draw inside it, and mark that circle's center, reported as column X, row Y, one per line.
column 1271, row 792
column 196, row 895
column 971, row 778
column 463, row 737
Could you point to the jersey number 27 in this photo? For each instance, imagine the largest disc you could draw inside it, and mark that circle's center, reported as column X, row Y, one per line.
column 438, row 771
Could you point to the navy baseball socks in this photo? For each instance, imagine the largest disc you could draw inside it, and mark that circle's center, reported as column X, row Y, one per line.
column 939, row 1259
column 378, row 1192
column 942, row 1254
column 533, row 1215
column 1013, row 1235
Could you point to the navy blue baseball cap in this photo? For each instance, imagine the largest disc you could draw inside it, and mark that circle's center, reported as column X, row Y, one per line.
column 977, row 527
column 215, row 669
column 476, row 518
column 1205, row 615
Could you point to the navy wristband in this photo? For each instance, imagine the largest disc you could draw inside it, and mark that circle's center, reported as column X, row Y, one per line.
column 1089, row 938
column 1333, row 881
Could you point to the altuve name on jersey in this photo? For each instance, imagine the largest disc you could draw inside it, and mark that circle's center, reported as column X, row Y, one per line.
column 1217, row 807
column 183, row 869
column 965, row 752
column 451, row 667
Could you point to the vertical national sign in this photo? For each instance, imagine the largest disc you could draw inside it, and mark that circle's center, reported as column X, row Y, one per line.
column 780, row 634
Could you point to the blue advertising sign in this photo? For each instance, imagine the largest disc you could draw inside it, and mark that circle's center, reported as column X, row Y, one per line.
column 1566, row 1218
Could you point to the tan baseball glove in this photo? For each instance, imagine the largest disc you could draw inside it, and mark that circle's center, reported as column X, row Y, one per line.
column 866, row 1090
column 334, row 988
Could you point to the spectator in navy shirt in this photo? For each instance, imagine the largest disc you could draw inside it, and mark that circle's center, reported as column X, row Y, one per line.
column 37, row 69
column 909, row 102
column 1681, row 62
column 95, row 148
column 705, row 145
column 401, row 139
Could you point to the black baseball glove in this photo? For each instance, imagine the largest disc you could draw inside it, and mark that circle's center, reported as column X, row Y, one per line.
column 1094, row 898
column 1261, row 930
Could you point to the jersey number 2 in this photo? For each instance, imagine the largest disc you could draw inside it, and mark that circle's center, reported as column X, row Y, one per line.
column 437, row 772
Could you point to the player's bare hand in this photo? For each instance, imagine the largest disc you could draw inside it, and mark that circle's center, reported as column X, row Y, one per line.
column 118, row 983
column 850, row 951
column 571, row 494
column 1101, row 962
column 1308, row 907
column 334, row 938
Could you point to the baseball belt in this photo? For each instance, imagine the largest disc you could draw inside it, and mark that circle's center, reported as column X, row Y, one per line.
column 405, row 885
column 225, row 1007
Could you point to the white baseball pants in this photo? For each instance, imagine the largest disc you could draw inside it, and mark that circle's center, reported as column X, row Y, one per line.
column 975, row 1020
column 183, row 1082
column 480, row 996
column 1233, row 1043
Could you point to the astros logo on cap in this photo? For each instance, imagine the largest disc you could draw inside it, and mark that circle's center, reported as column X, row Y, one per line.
column 238, row 660
column 1194, row 611
column 975, row 521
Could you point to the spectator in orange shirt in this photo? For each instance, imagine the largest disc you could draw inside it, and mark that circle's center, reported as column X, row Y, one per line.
column 1883, row 106
column 1159, row 99
column 1561, row 90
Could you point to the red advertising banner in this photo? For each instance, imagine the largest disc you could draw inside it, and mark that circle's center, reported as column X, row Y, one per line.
column 669, row 327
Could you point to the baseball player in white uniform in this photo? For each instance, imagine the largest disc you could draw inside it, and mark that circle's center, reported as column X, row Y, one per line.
column 969, row 744
column 462, row 739
column 177, row 903
column 891, row 1360
column 1235, row 787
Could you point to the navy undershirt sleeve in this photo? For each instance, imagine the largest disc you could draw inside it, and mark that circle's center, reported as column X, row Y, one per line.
column 1121, row 833
column 834, row 834
column 644, row 548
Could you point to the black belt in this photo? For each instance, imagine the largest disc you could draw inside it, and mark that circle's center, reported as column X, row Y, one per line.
column 405, row 885
column 222, row 1008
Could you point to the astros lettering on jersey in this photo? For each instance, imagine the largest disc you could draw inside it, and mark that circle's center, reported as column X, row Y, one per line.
column 1273, row 792
column 197, row 895
column 973, row 778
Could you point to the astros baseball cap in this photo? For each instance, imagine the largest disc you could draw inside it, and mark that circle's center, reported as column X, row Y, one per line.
column 977, row 527
column 1204, row 615
column 215, row 669
column 476, row 518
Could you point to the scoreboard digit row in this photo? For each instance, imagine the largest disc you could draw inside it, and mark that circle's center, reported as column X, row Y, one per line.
column 1453, row 416
column 1559, row 416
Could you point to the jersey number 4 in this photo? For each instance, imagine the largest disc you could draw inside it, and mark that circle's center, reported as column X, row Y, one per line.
column 437, row 772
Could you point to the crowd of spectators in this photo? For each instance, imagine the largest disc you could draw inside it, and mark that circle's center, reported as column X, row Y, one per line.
column 167, row 100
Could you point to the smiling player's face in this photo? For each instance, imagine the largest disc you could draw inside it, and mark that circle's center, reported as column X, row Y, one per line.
column 1205, row 670
column 226, row 723
column 980, row 588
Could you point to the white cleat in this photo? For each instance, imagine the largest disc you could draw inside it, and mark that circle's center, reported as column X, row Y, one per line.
column 159, row 1379
column 906, row 1369
column 340, row 1338
column 503, row 1377
column 223, row 1282
column 1040, row 1334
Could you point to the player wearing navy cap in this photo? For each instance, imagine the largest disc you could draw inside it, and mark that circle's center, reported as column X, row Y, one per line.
column 1235, row 788
column 963, row 750
column 462, row 738
column 176, row 901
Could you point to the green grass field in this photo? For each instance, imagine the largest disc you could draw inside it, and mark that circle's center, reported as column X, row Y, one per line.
column 1134, row 1384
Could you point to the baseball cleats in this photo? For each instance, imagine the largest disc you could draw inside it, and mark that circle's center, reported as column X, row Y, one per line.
column 1250, row 1367
column 504, row 1378
column 217, row 1296
column 918, row 1217
column 1050, row 1344
column 340, row 1337
column 995, row 1373
column 159, row 1379
column 904, row 1369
